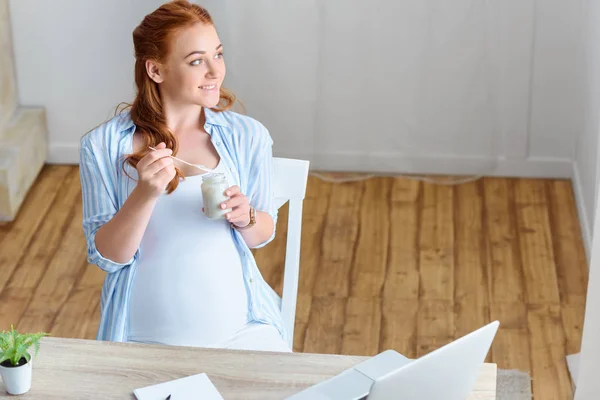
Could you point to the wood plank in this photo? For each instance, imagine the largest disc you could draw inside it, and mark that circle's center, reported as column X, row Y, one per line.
column 371, row 252
column 505, row 275
column 79, row 317
column 5, row 227
column 362, row 326
column 270, row 259
column 435, row 317
column 325, row 325
column 571, row 261
column 316, row 204
column 316, row 201
column 470, row 275
column 435, row 325
column 529, row 191
column 548, row 362
column 569, row 253
column 21, row 287
column 572, row 316
column 436, row 244
column 537, row 254
column 64, row 270
column 402, row 278
column 339, row 240
column 303, row 311
column 399, row 326
column 510, row 348
column 32, row 212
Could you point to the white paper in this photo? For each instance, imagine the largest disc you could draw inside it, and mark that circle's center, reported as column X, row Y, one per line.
column 188, row 388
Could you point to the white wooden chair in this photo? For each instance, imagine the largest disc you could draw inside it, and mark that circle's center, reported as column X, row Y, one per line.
column 290, row 177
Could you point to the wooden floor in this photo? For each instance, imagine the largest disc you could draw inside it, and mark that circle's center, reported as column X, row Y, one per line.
column 385, row 263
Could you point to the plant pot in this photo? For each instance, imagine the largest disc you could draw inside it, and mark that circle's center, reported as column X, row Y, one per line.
column 17, row 380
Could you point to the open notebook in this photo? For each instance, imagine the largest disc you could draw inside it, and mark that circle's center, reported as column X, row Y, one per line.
column 188, row 388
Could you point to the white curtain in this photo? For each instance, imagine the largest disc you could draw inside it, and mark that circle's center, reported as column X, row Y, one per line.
column 368, row 82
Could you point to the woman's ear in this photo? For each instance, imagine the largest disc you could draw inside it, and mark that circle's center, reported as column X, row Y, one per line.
column 154, row 71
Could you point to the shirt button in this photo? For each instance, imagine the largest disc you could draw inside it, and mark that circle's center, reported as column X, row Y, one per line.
column 250, row 280
column 218, row 143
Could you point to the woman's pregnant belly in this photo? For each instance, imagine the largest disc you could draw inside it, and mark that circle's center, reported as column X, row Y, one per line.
column 188, row 288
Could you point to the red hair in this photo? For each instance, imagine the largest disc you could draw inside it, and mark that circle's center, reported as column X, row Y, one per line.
column 152, row 40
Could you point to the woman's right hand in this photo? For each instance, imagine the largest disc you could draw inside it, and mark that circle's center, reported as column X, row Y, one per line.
column 155, row 171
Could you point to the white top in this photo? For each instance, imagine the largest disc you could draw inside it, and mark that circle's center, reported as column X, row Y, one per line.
column 257, row 337
column 189, row 288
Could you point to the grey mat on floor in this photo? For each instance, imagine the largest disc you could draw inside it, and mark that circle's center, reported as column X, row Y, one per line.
column 513, row 385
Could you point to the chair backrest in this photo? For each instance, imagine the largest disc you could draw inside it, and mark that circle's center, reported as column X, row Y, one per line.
column 290, row 177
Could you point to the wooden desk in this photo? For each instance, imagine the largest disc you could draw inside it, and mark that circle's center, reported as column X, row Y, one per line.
column 87, row 369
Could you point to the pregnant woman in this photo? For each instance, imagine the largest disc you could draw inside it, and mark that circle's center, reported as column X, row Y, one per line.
column 175, row 276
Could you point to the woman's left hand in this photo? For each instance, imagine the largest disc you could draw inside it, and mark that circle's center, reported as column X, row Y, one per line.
column 240, row 207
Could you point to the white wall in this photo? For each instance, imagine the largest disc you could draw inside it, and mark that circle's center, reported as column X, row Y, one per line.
column 587, row 172
column 460, row 87
column 586, row 157
column 556, row 95
column 469, row 86
column 587, row 383
column 76, row 59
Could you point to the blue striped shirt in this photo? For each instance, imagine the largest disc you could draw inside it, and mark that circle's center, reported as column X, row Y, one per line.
column 245, row 147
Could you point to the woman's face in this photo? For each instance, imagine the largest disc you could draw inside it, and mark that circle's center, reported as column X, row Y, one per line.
column 194, row 70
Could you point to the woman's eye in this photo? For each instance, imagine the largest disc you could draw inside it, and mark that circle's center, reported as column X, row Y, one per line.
column 197, row 62
column 219, row 55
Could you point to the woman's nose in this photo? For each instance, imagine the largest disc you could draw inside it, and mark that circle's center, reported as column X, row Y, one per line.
column 213, row 71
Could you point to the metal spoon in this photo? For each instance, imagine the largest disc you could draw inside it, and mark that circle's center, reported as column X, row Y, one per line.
column 199, row 166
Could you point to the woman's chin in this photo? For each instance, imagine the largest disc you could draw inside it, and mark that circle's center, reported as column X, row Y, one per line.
column 209, row 101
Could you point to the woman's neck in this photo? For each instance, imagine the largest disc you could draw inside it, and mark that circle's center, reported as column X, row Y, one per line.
column 183, row 118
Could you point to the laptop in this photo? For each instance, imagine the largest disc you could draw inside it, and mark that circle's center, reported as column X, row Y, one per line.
column 448, row 373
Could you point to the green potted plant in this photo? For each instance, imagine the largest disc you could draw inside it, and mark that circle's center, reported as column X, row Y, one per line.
column 15, row 359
